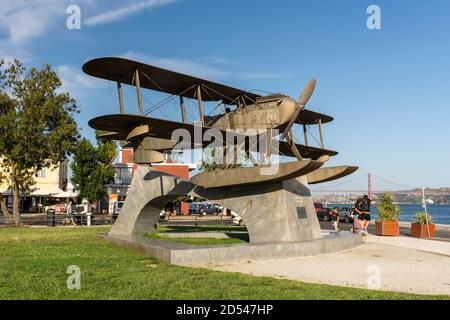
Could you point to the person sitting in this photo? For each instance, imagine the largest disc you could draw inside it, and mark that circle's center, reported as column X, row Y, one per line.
column 334, row 213
column 356, row 210
column 358, row 227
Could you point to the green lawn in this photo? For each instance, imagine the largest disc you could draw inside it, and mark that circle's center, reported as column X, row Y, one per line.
column 211, row 228
column 33, row 264
column 195, row 241
column 235, row 238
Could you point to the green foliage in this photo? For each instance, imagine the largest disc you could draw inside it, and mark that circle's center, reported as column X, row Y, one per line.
column 98, row 136
column 92, row 168
column 387, row 209
column 36, row 123
column 209, row 161
column 194, row 241
column 221, row 158
column 200, row 228
column 422, row 218
column 189, row 199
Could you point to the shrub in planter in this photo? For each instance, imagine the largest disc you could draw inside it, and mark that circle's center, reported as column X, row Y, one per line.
column 388, row 211
column 419, row 228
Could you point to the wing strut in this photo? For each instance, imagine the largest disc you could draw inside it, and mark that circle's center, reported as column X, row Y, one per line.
column 200, row 107
column 305, row 134
column 292, row 145
column 183, row 111
column 321, row 133
column 119, row 92
column 269, row 143
column 138, row 91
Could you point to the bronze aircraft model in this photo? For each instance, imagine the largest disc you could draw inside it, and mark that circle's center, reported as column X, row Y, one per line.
column 269, row 116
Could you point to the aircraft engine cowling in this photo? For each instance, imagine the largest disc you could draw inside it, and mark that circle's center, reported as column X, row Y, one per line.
column 287, row 109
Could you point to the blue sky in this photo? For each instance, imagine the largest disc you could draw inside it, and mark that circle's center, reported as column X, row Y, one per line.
column 388, row 89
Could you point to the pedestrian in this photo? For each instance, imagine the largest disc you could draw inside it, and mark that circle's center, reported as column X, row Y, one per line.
column 334, row 213
column 358, row 227
column 365, row 210
column 69, row 212
column 356, row 210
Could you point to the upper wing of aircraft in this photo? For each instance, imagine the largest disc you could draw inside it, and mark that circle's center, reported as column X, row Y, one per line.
column 123, row 71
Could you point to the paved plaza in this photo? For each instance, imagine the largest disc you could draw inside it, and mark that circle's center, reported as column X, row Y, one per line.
column 403, row 264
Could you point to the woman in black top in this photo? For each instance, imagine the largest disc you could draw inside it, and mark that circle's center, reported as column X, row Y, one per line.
column 365, row 210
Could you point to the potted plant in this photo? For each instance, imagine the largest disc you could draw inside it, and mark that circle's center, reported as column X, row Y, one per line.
column 423, row 226
column 388, row 211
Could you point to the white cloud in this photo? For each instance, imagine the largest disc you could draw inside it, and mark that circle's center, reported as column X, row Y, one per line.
column 23, row 20
column 186, row 66
column 123, row 12
column 213, row 60
column 76, row 82
column 202, row 67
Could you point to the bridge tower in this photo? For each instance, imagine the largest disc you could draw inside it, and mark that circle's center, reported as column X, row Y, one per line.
column 369, row 185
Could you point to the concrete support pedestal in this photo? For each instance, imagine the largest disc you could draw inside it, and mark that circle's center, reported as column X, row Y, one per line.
column 275, row 212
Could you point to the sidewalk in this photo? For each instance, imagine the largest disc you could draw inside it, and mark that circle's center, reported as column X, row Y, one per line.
column 404, row 265
column 430, row 246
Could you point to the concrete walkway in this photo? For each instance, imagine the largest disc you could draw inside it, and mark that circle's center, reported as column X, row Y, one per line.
column 431, row 246
column 394, row 264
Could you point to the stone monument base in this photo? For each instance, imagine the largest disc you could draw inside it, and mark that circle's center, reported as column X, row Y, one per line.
column 184, row 254
column 281, row 211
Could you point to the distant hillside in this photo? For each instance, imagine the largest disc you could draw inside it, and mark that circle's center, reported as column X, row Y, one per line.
column 437, row 196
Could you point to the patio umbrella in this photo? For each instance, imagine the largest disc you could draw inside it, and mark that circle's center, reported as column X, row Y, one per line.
column 65, row 194
column 40, row 193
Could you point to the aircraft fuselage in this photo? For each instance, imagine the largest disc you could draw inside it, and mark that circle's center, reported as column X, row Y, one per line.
column 267, row 113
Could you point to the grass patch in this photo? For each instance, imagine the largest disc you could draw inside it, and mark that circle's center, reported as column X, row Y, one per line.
column 210, row 228
column 239, row 237
column 195, row 241
column 34, row 262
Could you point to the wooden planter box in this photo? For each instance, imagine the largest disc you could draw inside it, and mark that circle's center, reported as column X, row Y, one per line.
column 387, row 228
column 420, row 230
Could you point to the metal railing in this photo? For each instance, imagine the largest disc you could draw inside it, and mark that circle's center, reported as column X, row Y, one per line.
column 196, row 220
column 81, row 220
column 53, row 220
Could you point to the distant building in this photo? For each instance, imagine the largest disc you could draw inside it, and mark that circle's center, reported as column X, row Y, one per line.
column 48, row 181
column 125, row 169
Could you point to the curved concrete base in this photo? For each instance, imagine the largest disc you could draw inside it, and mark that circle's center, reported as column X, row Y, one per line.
column 281, row 211
column 183, row 254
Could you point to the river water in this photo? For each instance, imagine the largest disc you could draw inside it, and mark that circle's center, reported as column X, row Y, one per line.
column 440, row 213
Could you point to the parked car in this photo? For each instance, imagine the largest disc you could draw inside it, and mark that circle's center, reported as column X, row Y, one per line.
column 203, row 208
column 194, row 208
column 318, row 207
column 116, row 208
column 237, row 219
column 346, row 214
column 323, row 213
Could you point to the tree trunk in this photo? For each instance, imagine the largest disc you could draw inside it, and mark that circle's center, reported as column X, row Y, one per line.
column 16, row 199
column 4, row 208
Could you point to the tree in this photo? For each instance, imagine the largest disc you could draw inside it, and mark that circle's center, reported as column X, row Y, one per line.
column 92, row 168
column 3, row 206
column 36, row 125
column 223, row 158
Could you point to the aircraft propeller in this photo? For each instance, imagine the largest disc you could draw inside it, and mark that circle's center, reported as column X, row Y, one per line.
column 303, row 100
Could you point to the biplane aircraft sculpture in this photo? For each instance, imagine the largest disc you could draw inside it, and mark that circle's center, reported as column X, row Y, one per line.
column 275, row 204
